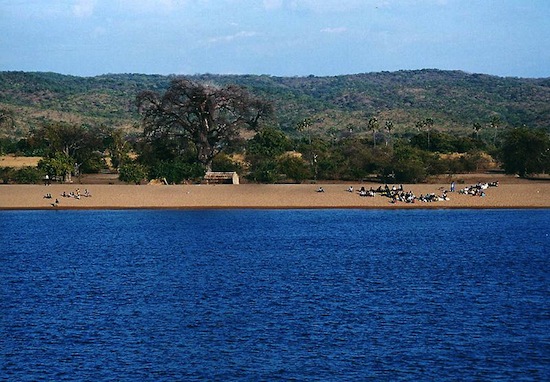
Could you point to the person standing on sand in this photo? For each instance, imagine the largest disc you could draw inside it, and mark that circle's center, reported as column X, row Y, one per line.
column 452, row 186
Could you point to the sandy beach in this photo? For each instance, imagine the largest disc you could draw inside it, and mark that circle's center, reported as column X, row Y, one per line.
column 534, row 194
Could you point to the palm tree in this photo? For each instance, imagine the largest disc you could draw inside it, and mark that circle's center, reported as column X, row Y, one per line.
column 429, row 124
column 305, row 125
column 477, row 128
column 389, row 127
column 495, row 123
column 373, row 125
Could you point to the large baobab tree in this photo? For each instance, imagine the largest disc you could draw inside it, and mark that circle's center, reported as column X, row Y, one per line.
column 209, row 117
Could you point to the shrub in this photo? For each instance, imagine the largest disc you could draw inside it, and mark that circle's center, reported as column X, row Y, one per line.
column 27, row 175
column 132, row 173
column 264, row 171
column 6, row 174
column 176, row 172
column 294, row 168
column 223, row 162
column 412, row 171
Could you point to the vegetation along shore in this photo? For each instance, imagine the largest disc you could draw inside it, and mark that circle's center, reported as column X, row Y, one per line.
column 407, row 127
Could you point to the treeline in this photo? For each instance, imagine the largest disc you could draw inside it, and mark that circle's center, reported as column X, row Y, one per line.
column 194, row 127
column 273, row 157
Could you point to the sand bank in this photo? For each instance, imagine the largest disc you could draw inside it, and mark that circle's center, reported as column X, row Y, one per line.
column 525, row 195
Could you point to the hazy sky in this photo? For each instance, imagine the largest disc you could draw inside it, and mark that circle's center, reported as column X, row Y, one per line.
column 275, row 37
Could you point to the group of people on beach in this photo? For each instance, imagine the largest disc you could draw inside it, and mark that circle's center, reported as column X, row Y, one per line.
column 477, row 189
column 76, row 194
column 433, row 197
column 49, row 196
column 363, row 191
column 71, row 194
column 397, row 193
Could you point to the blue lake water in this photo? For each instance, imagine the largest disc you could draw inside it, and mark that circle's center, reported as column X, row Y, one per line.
column 331, row 295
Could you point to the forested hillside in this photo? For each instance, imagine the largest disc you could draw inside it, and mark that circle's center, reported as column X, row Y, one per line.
column 454, row 100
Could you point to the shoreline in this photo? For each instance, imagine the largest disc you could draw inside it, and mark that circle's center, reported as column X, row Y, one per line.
column 527, row 195
column 263, row 208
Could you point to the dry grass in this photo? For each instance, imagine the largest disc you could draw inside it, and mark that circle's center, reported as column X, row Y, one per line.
column 18, row 162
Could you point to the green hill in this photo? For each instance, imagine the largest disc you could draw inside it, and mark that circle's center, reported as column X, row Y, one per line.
column 453, row 99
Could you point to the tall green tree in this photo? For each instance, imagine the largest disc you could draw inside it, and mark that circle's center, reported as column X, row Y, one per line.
column 526, row 151
column 118, row 146
column 81, row 145
column 207, row 116
column 263, row 153
column 268, row 142
column 56, row 165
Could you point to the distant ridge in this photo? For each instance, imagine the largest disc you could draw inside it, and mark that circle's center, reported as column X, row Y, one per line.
column 453, row 99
